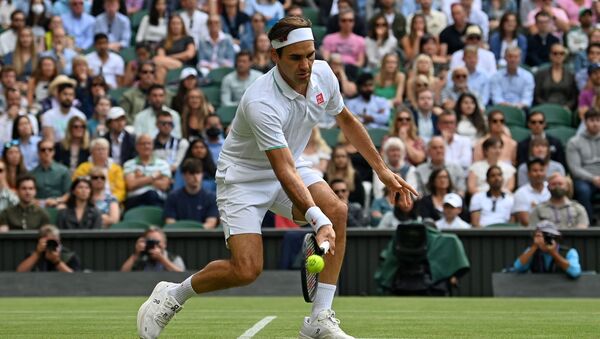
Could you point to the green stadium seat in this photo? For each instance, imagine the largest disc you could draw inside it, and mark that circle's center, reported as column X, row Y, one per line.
column 563, row 133
column 173, row 76
column 556, row 115
column 377, row 135
column 226, row 113
column 136, row 20
column 52, row 213
column 148, row 214
column 184, row 224
column 319, row 33
column 213, row 95
column 130, row 224
column 311, row 14
column 519, row 133
column 513, row 116
column 501, row 225
column 128, row 54
column 330, row 135
column 216, row 75
column 117, row 93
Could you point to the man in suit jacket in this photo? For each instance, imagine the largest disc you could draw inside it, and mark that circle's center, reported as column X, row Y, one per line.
column 122, row 143
column 536, row 123
column 538, row 45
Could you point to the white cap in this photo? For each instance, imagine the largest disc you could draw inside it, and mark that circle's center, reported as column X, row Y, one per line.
column 187, row 72
column 453, row 200
column 115, row 113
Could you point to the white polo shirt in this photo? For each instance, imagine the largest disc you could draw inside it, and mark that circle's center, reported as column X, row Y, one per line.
column 493, row 210
column 456, row 224
column 113, row 67
column 526, row 198
column 272, row 115
column 58, row 121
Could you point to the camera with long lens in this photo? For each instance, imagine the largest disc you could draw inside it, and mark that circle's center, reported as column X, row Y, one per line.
column 150, row 244
column 51, row 245
column 548, row 238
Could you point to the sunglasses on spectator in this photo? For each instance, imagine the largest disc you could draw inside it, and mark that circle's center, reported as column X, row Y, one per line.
column 495, row 121
column 12, row 143
column 98, row 177
column 166, row 123
column 346, row 20
column 536, row 122
column 46, row 149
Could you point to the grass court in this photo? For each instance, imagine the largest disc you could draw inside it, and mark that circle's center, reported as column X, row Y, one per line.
column 230, row 317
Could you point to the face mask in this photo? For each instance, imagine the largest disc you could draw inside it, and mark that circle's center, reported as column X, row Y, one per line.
column 213, row 132
column 558, row 193
column 37, row 9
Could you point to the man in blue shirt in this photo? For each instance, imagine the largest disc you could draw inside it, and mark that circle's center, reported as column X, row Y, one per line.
column 373, row 111
column 546, row 255
column 79, row 25
column 513, row 85
column 191, row 202
column 114, row 24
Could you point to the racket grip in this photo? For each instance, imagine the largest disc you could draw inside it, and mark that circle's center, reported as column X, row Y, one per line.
column 325, row 247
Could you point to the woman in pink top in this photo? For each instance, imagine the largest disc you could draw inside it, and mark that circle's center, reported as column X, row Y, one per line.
column 572, row 7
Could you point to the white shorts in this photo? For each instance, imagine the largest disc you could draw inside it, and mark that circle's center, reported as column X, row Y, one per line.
column 242, row 205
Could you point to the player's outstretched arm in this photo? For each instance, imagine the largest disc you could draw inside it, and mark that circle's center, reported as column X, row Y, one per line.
column 358, row 136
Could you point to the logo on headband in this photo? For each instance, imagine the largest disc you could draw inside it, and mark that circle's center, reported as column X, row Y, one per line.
column 320, row 98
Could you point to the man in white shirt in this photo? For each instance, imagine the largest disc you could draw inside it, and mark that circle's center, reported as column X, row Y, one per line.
column 55, row 120
column 8, row 38
column 436, row 21
column 486, row 61
column 493, row 206
column 452, row 208
column 145, row 121
column 258, row 170
column 235, row 83
column 458, row 148
column 106, row 63
column 194, row 20
column 530, row 195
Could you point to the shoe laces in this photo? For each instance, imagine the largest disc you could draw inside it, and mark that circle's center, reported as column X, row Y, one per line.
column 167, row 310
column 331, row 320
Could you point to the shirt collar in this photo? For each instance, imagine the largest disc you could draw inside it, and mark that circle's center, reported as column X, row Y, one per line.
column 285, row 89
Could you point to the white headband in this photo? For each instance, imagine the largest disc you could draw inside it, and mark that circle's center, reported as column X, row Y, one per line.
column 297, row 35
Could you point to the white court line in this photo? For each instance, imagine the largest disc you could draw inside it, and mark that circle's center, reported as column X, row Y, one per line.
column 251, row 332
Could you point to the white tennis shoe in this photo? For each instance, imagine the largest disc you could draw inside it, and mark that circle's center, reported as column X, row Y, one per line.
column 326, row 326
column 157, row 311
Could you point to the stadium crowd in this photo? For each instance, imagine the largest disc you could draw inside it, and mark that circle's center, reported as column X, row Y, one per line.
column 490, row 108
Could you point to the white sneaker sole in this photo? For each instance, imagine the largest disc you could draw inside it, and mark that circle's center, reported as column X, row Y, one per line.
column 143, row 310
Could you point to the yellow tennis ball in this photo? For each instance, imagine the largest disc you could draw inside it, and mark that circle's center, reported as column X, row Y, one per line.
column 315, row 264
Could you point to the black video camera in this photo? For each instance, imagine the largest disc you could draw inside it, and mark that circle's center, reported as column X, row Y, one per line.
column 150, row 244
column 51, row 245
column 548, row 238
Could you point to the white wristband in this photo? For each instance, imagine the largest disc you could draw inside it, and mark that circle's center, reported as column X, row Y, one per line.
column 316, row 218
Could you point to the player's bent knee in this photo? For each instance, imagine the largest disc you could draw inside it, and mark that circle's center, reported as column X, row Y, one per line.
column 338, row 212
column 247, row 271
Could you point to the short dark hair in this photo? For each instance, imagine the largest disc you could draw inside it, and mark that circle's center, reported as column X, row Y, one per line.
column 337, row 181
column 283, row 27
column 535, row 161
column 100, row 36
column 15, row 12
column 146, row 63
column 489, row 171
column 154, row 87
column 590, row 46
column 536, row 113
column 490, row 142
column 60, row 88
column 242, row 53
column 363, row 78
column 25, row 177
column 7, row 69
column 39, row 144
column 164, row 114
column 192, row 166
column 591, row 113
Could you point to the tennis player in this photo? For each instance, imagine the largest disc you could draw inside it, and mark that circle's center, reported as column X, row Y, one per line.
column 260, row 169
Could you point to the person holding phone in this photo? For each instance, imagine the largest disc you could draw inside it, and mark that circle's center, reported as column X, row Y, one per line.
column 150, row 254
column 50, row 255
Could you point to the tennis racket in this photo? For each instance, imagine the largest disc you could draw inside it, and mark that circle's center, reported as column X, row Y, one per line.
column 310, row 281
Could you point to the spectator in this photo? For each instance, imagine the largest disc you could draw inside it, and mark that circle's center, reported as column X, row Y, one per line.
column 454, row 89
column 498, row 130
column 347, row 86
column 452, row 37
column 477, row 177
column 188, row 81
column 194, row 20
column 28, row 141
column 106, row 63
column 389, row 82
column 533, row 193
column 493, row 206
column 478, row 80
column 582, row 157
column 16, row 106
column 439, row 184
column 81, row 76
column 507, row 36
column 349, row 45
column 234, row 21
column 437, row 159
column 153, row 27
column 15, row 165
column 546, row 255
column 577, row 38
column 25, row 215
column 536, row 122
column 426, row 115
column 143, row 53
column 116, row 26
column 381, row 206
column 396, row 21
column 213, row 134
column 356, row 217
column 333, row 23
column 261, row 57
column 588, row 98
column 7, row 197
column 191, row 202
column 216, row 49
column 53, row 180
column 147, row 178
column 430, row 46
column 55, row 120
column 145, row 121
column 103, row 200
column 37, row 86
column 538, row 46
column 317, row 151
column 99, row 159
column 97, row 88
column 61, row 51
column 235, row 83
column 97, row 125
column 421, row 78
column 403, row 127
column 134, row 99
column 394, row 153
column 150, row 254
column 562, row 211
column 272, row 10
column 379, row 42
column 340, row 167
column 373, row 111
column 400, row 214
column 8, row 38
column 122, row 143
column 166, row 146
column 539, row 149
column 194, row 112
column 257, row 27
column 80, row 212
column 25, row 55
column 199, row 150
column 458, row 148
column 485, row 59
column 513, row 85
column 79, row 25
column 476, row 16
column 49, row 254
column 177, row 50
column 435, row 20
column 38, row 18
column 411, row 42
column 74, row 149
column 558, row 21
column 8, row 79
column 451, row 213
column 583, row 75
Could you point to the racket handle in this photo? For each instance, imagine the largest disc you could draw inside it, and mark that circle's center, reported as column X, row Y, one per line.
column 325, row 247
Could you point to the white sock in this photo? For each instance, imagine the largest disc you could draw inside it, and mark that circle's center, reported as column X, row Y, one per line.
column 183, row 291
column 323, row 299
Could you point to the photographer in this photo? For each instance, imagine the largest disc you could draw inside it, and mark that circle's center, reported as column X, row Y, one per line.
column 50, row 255
column 546, row 255
column 150, row 254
